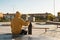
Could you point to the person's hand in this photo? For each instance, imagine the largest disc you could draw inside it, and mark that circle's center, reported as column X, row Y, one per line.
column 28, row 22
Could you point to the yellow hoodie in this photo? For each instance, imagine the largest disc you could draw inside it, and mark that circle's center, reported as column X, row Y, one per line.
column 17, row 23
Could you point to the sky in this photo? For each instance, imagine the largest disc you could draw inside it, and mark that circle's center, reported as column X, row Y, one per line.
column 30, row 6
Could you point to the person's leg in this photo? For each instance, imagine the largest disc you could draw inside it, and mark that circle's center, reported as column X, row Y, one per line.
column 23, row 32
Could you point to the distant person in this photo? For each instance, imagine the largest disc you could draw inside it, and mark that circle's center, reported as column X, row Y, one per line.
column 17, row 23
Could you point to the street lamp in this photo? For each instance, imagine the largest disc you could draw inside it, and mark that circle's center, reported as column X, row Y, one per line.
column 54, row 6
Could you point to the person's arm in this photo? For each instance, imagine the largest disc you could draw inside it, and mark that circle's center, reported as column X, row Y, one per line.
column 23, row 22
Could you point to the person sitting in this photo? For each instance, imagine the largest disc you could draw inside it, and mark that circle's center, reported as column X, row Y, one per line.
column 17, row 23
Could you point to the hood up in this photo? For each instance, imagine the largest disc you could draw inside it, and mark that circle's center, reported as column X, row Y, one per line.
column 18, row 14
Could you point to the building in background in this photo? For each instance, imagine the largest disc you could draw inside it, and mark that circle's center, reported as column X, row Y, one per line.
column 24, row 16
column 33, row 17
column 38, row 17
column 8, row 16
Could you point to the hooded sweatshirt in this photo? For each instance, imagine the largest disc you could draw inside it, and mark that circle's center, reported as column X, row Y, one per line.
column 17, row 23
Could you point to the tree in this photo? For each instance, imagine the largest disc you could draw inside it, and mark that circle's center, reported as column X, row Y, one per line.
column 50, row 17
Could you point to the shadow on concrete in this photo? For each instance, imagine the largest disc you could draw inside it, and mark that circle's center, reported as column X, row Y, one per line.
column 8, row 36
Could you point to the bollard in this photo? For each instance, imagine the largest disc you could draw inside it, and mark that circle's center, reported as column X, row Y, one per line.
column 30, row 29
